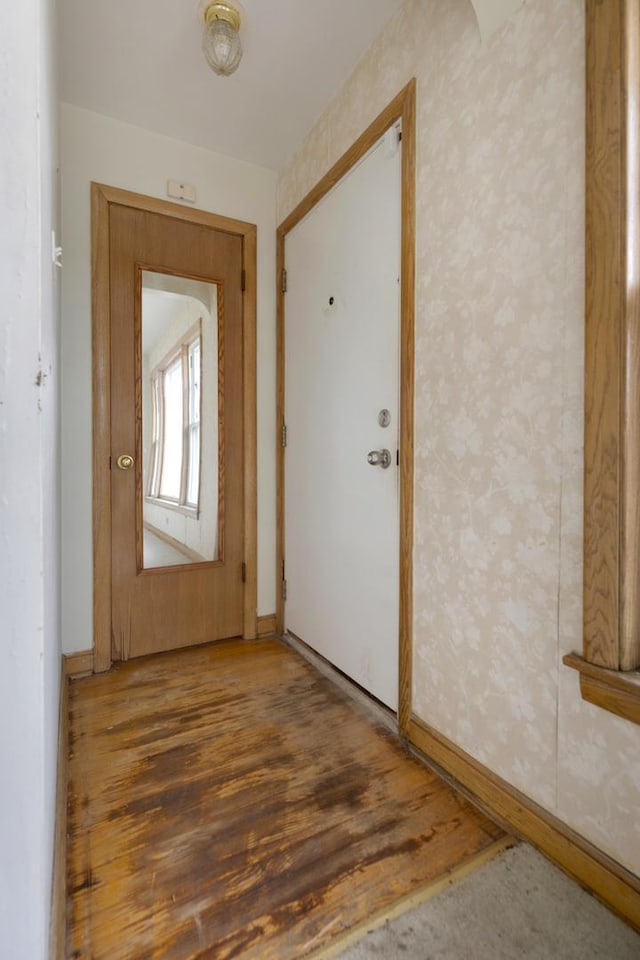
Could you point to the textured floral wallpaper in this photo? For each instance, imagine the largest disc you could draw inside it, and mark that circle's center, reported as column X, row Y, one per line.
column 499, row 410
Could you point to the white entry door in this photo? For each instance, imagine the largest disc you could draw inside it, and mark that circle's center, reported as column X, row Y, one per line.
column 342, row 338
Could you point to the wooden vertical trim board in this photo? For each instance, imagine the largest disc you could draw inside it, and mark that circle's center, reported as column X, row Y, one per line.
column 608, row 880
column 221, row 346
column 138, row 465
column 602, row 342
column 101, row 323
column 407, row 404
column 629, row 642
column 250, row 435
column 612, row 337
column 280, row 413
column 402, row 107
column 102, row 197
column 57, row 932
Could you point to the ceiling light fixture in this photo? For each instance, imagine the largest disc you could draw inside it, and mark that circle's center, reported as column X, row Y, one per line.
column 221, row 40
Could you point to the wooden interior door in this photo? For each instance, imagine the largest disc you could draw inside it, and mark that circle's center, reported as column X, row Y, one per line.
column 165, row 604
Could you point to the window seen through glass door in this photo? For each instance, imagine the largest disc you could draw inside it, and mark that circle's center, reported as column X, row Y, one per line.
column 180, row 431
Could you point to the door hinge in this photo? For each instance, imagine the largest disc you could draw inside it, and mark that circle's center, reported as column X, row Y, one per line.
column 244, row 572
column 283, row 285
column 243, row 280
column 285, row 435
column 284, row 589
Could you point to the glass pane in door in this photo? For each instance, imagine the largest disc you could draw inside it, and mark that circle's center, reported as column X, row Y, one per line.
column 181, row 443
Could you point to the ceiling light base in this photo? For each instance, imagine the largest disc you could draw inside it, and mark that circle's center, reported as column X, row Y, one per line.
column 222, row 11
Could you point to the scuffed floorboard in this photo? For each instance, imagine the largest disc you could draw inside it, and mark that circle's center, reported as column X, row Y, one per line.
column 229, row 802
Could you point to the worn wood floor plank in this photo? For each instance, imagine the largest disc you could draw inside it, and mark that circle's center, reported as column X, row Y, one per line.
column 229, row 802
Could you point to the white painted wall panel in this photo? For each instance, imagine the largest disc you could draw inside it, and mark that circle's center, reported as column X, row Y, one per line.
column 29, row 546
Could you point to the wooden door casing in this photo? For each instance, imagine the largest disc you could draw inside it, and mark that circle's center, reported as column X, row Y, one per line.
column 187, row 604
column 402, row 107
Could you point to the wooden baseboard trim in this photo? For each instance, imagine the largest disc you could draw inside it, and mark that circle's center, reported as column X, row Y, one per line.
column 59, row 892
column 267, row 625
column 608, row 880
column 78, row 664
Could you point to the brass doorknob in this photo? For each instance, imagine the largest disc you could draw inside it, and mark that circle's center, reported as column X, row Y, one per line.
column 124, row 461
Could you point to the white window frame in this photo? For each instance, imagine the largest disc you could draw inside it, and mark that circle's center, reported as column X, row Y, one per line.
column 182, row 350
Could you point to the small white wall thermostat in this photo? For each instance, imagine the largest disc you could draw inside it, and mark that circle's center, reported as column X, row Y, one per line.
column 181, row 191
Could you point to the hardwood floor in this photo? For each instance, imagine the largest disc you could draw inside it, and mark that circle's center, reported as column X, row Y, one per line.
column 230, row 802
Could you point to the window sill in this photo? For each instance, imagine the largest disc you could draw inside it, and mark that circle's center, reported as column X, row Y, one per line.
column 612, row 690
column 182, row 508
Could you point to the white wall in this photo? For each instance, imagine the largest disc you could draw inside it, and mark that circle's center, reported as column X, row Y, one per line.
column 98, row 148
column 499, row 395
column 29, row 492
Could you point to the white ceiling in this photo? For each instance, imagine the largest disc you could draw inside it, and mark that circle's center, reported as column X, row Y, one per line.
column 140, row 61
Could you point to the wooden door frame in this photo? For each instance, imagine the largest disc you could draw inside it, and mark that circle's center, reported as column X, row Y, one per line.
column 102, row 197
column 402, row 107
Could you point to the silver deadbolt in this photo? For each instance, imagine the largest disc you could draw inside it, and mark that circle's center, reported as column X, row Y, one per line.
column 384, row 418
column 379, row 458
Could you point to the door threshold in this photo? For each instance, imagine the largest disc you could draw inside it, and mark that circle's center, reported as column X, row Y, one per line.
column 380, row 712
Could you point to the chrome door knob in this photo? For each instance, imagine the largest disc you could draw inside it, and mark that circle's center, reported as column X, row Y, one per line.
column 379, row 458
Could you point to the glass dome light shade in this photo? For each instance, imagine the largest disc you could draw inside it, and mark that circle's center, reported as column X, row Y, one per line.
column 220, row 41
